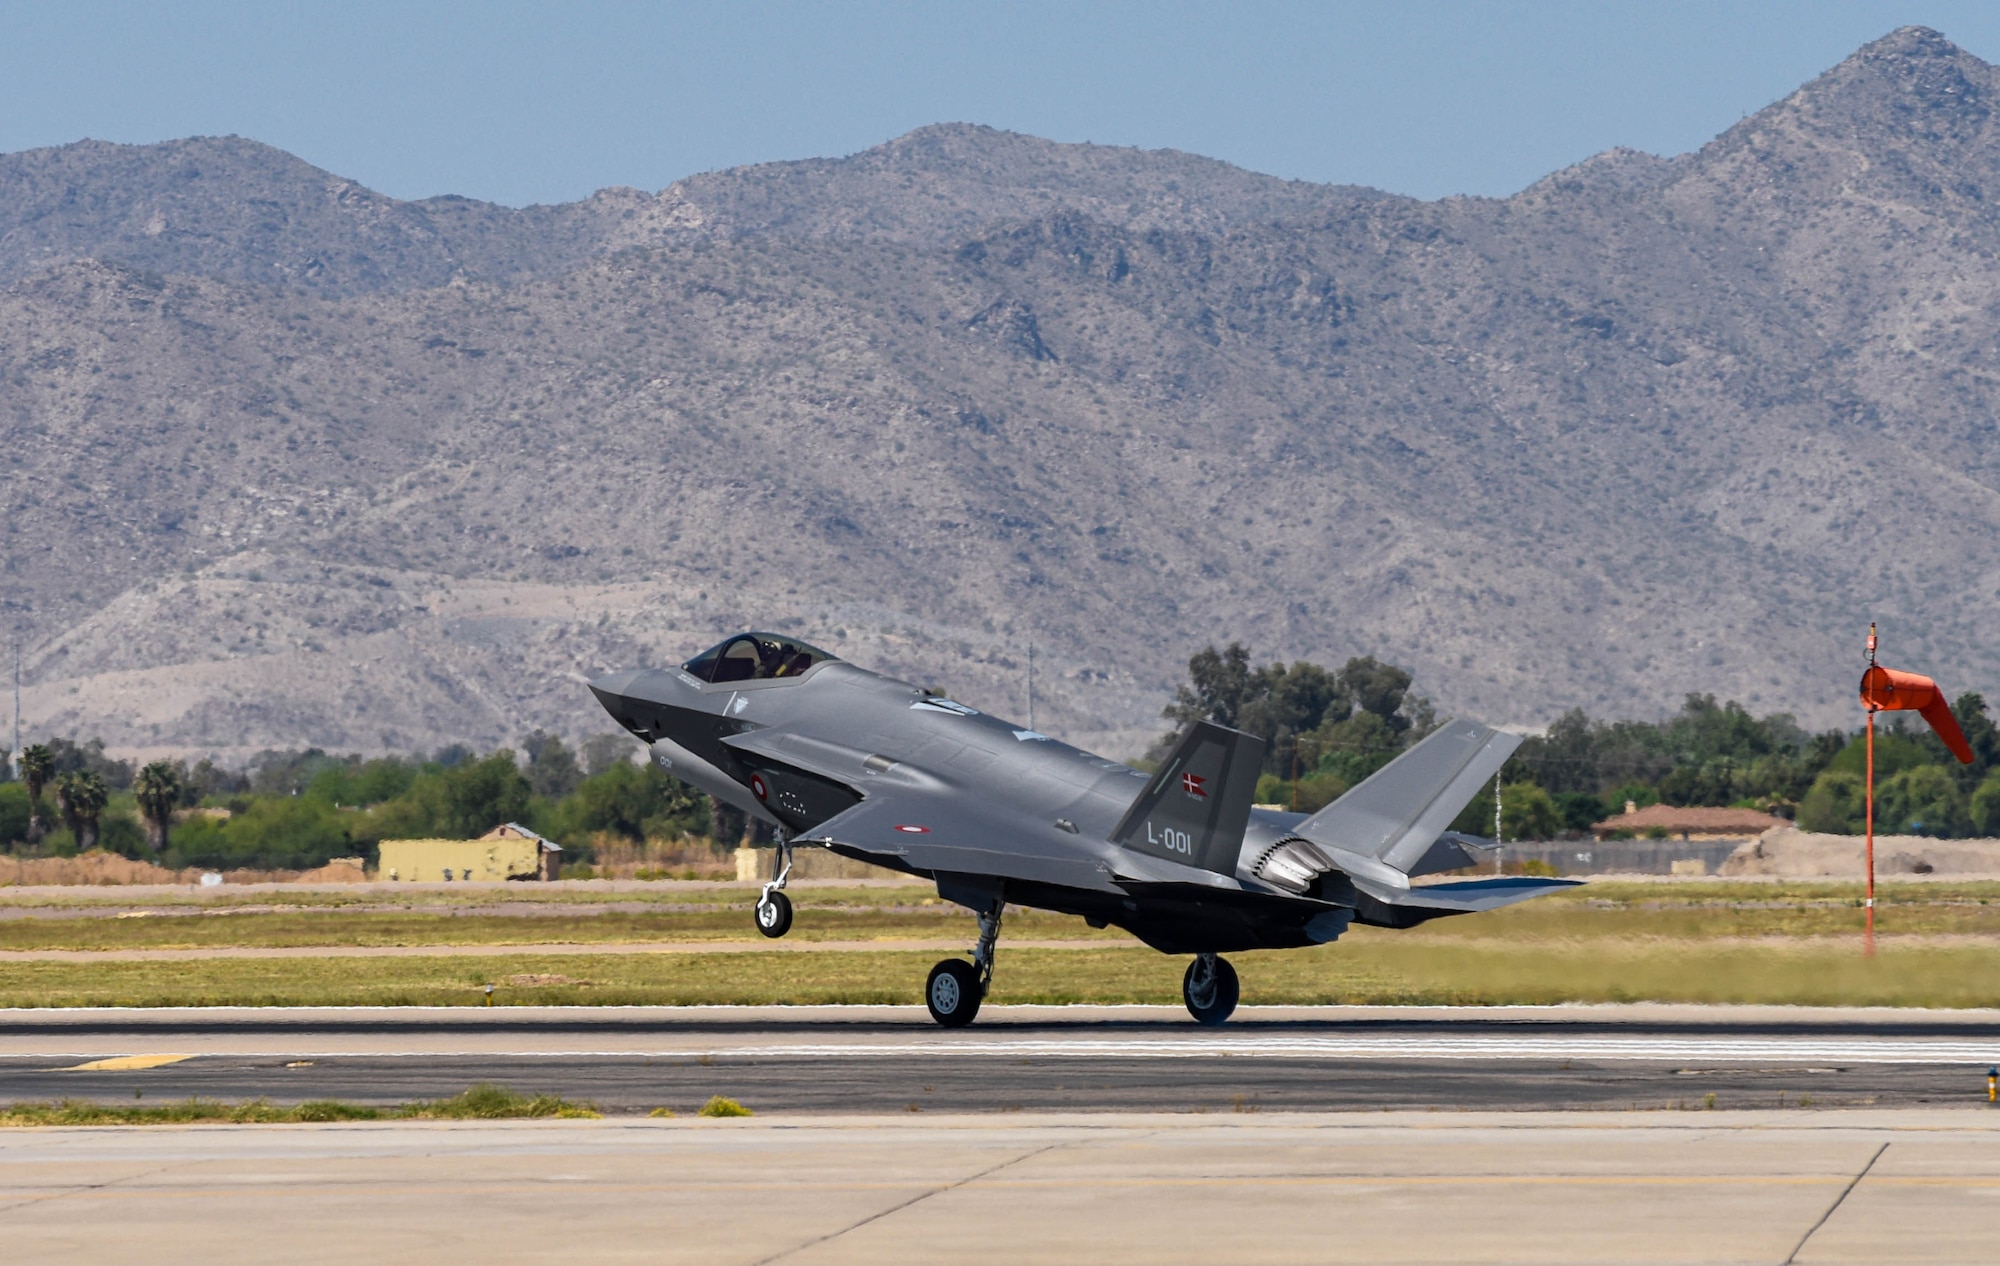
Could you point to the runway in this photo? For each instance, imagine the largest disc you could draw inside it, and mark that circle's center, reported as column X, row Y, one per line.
column 807, row 1060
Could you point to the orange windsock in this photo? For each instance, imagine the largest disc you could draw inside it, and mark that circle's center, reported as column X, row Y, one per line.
column 1886, row 690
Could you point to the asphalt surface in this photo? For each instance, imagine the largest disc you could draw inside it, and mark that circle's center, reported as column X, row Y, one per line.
column 892, row 1060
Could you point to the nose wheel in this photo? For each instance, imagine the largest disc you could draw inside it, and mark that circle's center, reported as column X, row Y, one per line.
column 1209, row 988
column 774, row 908
column 774, row 914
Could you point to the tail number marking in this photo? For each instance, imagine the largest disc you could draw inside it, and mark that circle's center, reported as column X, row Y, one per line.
column 1171, row 840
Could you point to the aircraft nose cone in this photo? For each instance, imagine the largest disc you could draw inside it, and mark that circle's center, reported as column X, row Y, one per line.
column 615, row 685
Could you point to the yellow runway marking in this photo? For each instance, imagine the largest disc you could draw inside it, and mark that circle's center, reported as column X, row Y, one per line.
column 125, row 1063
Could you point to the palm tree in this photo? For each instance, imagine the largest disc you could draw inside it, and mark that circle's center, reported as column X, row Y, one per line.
column 38, row 765
column 81, row 796
column 158, row 790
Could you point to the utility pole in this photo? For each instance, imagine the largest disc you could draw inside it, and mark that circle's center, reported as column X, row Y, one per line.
column 14, row 752
column 1031, row 685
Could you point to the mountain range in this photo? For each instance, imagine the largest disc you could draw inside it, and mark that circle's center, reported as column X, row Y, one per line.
column 292, row 463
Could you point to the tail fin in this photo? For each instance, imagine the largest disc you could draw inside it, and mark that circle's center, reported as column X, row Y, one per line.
column 1197, row 805
column 1399, row 811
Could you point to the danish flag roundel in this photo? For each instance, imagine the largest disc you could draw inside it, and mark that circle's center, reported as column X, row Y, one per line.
column 757, row 787
column 1193, row 784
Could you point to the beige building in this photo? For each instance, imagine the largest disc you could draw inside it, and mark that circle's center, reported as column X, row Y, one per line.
column 505, row 852
column 1700, row 823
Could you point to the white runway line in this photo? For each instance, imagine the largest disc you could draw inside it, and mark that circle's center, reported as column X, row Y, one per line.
column 1810, row 1050
column 1657, row 1049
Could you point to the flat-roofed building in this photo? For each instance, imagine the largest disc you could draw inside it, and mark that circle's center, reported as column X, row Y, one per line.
column 511, row 851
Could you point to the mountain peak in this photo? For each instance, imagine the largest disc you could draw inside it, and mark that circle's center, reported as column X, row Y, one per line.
column 1912, row 80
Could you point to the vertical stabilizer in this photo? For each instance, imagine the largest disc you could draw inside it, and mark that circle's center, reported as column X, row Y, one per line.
column 1399, row 811
column 1197, row 805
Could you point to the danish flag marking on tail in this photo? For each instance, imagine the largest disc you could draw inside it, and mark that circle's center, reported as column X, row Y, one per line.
column 1193, row 784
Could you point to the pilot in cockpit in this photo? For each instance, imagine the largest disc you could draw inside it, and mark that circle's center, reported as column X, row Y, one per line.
column 755, row 657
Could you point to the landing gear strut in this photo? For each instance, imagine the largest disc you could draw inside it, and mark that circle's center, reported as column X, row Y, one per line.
column 1209, row 988
column 774, row 908
column 956, row 988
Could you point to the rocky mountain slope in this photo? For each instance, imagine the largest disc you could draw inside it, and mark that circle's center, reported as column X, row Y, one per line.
column 296, row 463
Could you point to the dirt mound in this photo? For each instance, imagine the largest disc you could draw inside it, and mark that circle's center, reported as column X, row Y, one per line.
column 98, row 868
column 1790, row 853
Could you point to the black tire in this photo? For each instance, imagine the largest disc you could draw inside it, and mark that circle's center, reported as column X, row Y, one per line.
column 952, row 993
column 774, row 915
column 1213, row 1001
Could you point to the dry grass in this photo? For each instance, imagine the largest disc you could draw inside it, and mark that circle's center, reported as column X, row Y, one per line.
column 485, row 1101
column 727, row 921
column 1377, row 970
column 1697, row 941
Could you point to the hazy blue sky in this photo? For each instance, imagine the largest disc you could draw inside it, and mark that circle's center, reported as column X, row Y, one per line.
column 542, row 102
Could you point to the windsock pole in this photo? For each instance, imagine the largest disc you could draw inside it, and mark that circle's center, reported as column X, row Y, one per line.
column 1868, row 935
column 1886, row 690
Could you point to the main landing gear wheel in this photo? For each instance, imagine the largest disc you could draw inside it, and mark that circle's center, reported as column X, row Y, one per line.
column 1209, row 989
column 774, row 914
column 953, row 993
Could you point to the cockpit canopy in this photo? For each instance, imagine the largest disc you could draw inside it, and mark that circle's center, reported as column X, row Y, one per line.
column 755, row 657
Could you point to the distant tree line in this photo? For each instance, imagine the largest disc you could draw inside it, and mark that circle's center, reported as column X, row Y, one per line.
column 296, row 810
column 1326, row 729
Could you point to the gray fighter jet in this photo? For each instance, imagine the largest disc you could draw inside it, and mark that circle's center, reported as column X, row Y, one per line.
column 837, row 757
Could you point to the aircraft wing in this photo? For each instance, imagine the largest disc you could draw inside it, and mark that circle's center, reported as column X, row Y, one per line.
column 953, row 832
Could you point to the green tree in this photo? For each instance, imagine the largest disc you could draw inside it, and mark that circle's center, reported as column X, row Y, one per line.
column 13, row 813
column 81, row 796
column 1895, row 751
column 1220, row 685
column 635, row 801
column 1925, row 800
column 461, row 802
column 552, row 768
column 158, row 791
column 38, row 765
column 272, row 832
column 1579, row 810
column 1834, row 803
column 1986, row 805
column 1528, row 813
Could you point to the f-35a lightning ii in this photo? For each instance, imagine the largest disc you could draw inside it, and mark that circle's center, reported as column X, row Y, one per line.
column 838, row 757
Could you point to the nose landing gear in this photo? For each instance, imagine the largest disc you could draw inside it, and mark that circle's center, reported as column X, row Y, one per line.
column 774, row 908
column 956, row 988
column 1209, row 989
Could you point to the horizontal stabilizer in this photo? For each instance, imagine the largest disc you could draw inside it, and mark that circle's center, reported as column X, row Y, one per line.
column 1195, row 809
column 1397, row 814
column 1452, row 851
column 1468, row 897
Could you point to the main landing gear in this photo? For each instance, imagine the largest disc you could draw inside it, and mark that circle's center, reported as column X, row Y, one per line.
column 1209, row 988
column 774, row 908
column 956, row 988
